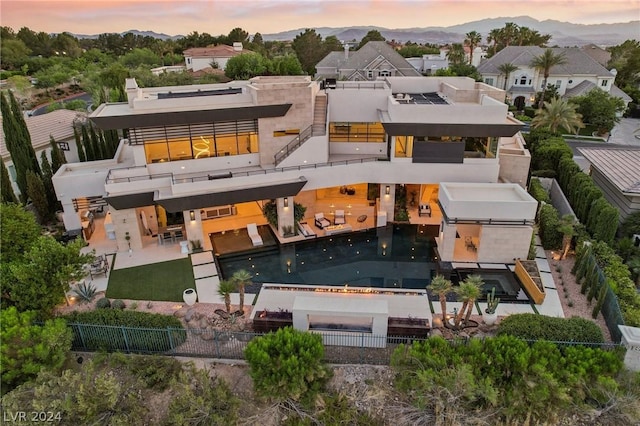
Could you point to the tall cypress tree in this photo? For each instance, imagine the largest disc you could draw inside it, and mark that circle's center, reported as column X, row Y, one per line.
column 76, row 134
column 6, row 190
column 50, row 192
column 86, row 143
column 95, row 143
column 57, row 155
column 14, row 138
column 25, row 136
column 37, row 195
column 112, row 141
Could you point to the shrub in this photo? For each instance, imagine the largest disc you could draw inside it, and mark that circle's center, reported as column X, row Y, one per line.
column 103, row 303
column 287, row 364
column 135, row 332
column 201, row 399
column 538, row 192
column 549, row 223
column 536, row 327
column 118, row 304
column 545, row 173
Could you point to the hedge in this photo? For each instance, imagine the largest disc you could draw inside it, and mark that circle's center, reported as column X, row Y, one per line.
column 128, row 331
column 540, row 327
column 538, row 192
column 549, row 221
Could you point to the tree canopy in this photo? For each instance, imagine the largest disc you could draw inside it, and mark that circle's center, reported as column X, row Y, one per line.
column 599, row 109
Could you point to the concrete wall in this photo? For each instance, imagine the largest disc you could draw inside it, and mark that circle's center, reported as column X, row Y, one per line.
column 502, row 244
column 357, row 105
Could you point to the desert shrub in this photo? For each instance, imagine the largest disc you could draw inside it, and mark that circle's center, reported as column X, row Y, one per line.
column 287, row 364
column 202, row 400
column 91, row 396
column 536, row 327
column 86, row 292
column 155, row 371
column 103, row 303
column 118, row 304
column 517, row 382
column 133, row 331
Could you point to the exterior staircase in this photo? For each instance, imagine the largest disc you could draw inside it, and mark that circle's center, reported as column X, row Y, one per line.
column 320, row 115
column 318, row 128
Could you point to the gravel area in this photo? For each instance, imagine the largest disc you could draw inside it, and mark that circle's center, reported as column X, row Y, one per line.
column 574, row 303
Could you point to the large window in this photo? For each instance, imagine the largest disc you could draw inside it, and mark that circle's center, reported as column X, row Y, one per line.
column 404, row 146
column 473, row 147
column 356, row 132
column 175, row 143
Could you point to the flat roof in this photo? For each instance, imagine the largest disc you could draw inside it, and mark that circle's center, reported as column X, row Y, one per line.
column 485, row 192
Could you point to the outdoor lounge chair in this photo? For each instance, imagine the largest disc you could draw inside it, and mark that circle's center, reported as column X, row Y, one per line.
column 424, row 210
column 306, row 230
column 321, row 221
column 339, row 218
column 256, row 239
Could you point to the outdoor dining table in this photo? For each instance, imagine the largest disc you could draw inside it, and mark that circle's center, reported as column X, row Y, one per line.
column 171, row 230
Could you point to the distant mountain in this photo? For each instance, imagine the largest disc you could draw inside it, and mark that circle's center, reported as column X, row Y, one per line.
column 563, row 33
column 153, row 34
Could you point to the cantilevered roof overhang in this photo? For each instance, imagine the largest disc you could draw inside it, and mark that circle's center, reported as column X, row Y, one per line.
column 155, row 119
column 505, row 129
column 219, row 197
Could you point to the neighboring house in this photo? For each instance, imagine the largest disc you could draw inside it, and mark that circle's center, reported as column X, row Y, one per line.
column 430, row 63
column 214, row 150
column 168, row 68
column 600, row 55
column 617, row 173
column 579, row 74
column 199, row 58
column 374, row 59
column 59, row 124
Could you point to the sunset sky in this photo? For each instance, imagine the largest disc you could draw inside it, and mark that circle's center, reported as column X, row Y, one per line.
column 268, row 16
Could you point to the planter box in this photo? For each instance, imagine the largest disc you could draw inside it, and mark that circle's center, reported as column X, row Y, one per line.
column 272, row 321
column 528, row 274
column 409, row 327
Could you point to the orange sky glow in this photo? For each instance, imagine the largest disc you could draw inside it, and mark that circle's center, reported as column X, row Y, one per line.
column 177, row 17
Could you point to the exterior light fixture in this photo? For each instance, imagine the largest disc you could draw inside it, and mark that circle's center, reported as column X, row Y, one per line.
column 387, row 190
column 192, row 215
column 286, row 202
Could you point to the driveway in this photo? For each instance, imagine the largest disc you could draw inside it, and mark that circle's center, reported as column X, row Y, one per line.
column 626, row 132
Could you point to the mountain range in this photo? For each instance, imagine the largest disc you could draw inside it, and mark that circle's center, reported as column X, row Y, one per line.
column 563, row 33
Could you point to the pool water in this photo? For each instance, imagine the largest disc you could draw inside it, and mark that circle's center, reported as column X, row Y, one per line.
column 507, row 287
column 395, row 256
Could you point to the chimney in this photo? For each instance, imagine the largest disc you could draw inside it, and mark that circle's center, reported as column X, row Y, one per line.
column 131, row 87
column 237, row 46
column 346, row 50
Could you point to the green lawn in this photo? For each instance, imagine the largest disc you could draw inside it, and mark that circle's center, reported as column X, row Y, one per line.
column 163, row 281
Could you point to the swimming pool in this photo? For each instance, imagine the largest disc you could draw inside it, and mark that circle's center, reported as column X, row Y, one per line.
column 395, row 256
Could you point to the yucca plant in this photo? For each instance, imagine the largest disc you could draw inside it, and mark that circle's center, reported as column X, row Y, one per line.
column 85, row 292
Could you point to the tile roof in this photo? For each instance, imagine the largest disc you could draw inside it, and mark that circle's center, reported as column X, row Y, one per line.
column 367, row 54
column 58, row 124
column 578, row 62
column 620, row 166
column 598, row 53
column 586, row 86
column 219, row 51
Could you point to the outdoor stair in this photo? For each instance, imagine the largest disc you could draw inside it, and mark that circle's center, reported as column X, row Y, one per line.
column 320, row 115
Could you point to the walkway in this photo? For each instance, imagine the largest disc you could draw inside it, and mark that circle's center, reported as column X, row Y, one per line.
column 207, row 279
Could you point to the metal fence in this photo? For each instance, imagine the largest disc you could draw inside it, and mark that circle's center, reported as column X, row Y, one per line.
column 359, row 348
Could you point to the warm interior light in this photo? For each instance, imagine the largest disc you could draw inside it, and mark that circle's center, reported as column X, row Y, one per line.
column 387, row 190
column 192, row 215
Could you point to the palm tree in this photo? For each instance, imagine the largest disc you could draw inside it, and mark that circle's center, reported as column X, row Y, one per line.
column 493, row 37
column 558, row 114
column 567, row 228
column 473, row 38
column 241, row 278
column 507, row 69
column 469, row 291
column 441, row 286
column 509, row 33
column 544, row 63
column 455, row 55
column 225, row 289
